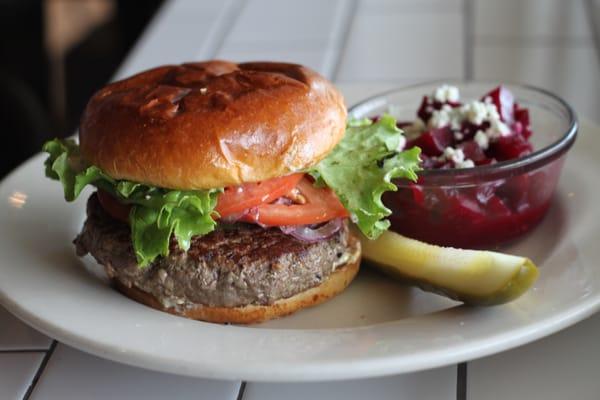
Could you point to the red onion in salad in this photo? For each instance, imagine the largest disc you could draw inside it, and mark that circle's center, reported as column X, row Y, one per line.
column 312, row 233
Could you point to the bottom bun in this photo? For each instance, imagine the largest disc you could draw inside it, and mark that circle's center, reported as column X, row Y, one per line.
column 251, row 314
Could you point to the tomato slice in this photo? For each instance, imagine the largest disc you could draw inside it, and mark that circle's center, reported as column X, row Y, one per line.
column 113, row 207
column 321, row 205
column 236, row 199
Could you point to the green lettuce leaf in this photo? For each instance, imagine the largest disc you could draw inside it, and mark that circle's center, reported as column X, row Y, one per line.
column 361, row 168
column 156, row 213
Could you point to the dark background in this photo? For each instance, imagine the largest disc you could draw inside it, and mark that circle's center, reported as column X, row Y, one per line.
column 44, row 90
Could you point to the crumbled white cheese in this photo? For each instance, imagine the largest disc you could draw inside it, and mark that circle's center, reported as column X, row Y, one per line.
column 497, row 128
column 454, row 155
column 455, row 122
column 465, row 164
column 439, row 118
column 446, row 93
column 457, row 156
column 481, row 139
column 474, row 112
column 446, row 116
column 503, row 128
column 477, row 112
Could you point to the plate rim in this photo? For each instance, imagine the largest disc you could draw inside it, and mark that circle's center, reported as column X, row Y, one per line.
column 323, row 371
column 329, row 371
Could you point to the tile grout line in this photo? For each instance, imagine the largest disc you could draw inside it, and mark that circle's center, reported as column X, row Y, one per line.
column 411, row 11
column 40, row 370
column 461, row 381
column 117, row 73
column 541, row 41
column 593, row 25
column 345, row 11
column 468, row 39
column 24, row 351
column 240, row 395
column 222, row 28
column 349, row 17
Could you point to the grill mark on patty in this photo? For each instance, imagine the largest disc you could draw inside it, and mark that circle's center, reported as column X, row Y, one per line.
column 244, row 242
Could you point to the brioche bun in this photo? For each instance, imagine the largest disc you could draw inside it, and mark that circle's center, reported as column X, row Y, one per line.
column 212, row 124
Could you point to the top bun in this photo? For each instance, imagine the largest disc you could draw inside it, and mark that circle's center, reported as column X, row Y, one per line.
column 212, row 124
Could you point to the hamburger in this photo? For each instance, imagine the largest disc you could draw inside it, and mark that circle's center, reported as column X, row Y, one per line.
column 225, row 192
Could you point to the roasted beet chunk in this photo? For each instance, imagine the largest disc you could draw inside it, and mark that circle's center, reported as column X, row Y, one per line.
column 433, row 142
column 509, row 147
column 504, row 101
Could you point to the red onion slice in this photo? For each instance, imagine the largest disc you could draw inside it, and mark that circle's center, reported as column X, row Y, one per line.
column 306, row 233
column 312, row 234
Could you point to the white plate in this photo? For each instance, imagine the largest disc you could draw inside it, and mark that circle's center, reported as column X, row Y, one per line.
column 376, row 327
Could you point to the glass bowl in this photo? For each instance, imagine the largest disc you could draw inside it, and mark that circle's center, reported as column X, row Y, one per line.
column 483, row 206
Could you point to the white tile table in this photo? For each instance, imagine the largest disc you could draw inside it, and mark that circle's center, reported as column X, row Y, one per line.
column 15, row 335
column 96, row 378
column 384, row 43
column 19, row 372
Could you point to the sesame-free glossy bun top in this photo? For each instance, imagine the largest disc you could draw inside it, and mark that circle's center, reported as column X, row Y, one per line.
column 212, row 124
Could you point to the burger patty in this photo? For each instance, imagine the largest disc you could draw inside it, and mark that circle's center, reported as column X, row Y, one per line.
column 235, row 265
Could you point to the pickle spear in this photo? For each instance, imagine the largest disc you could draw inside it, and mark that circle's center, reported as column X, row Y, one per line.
column 481, row 278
